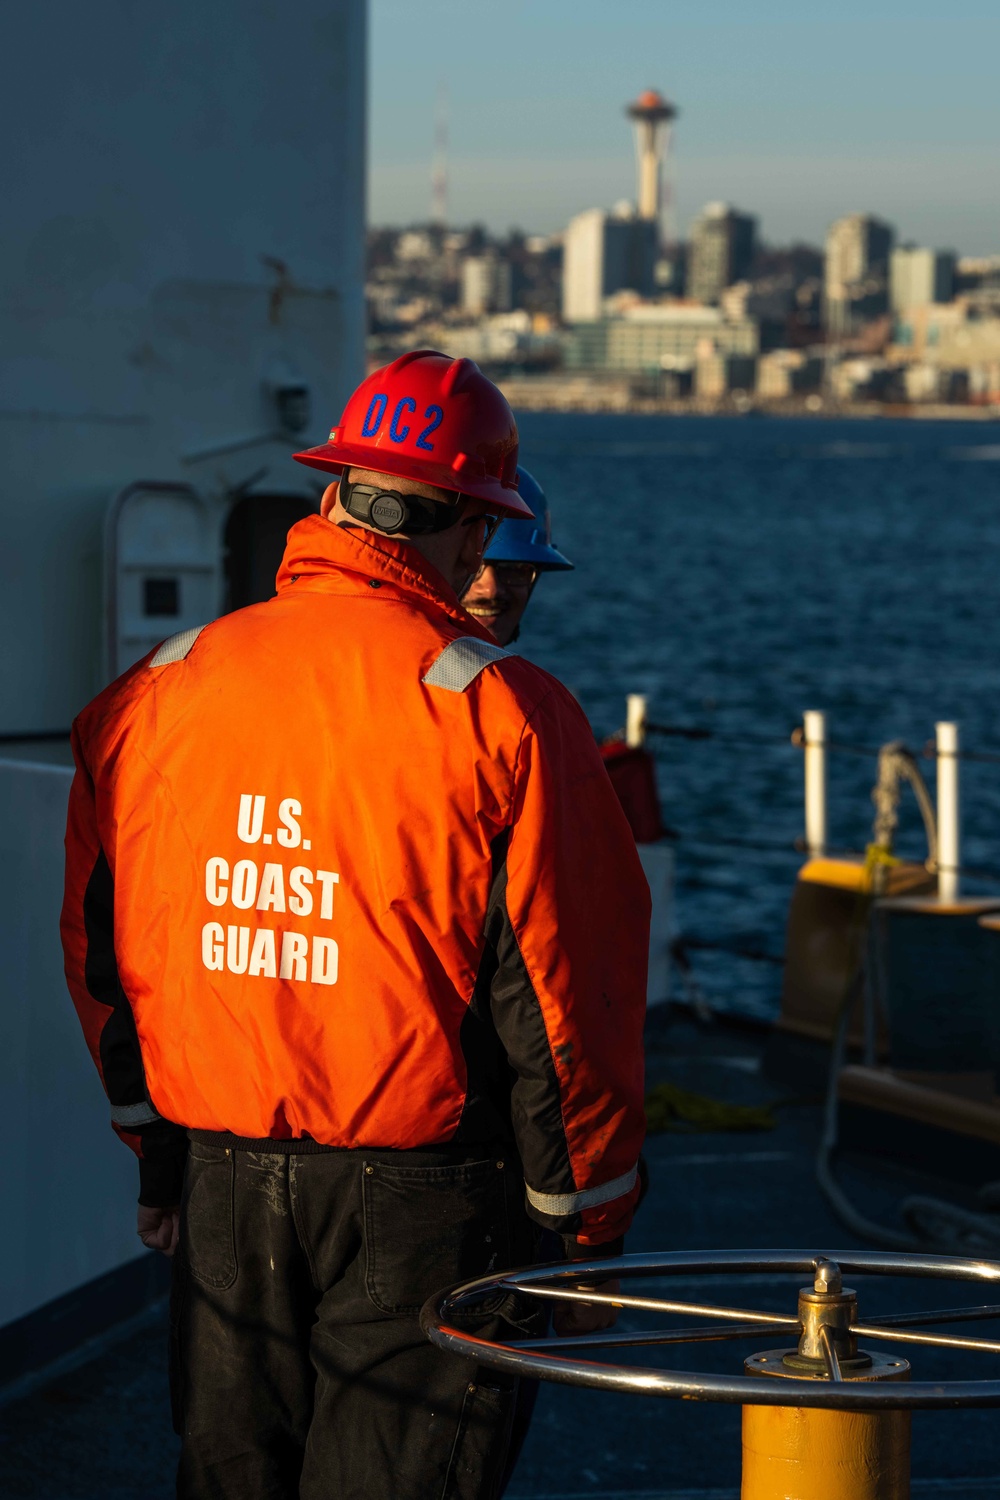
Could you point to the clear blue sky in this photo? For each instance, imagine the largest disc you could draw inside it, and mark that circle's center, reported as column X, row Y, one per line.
column 798, row 112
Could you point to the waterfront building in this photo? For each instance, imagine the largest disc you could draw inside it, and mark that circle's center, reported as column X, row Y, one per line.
column 487, row 285
column 721, row 251
column 923, row 381
column 503, row 339
column 955, row 335
column 717, row 375
column 856, row 271
column 603, row 254
column 783, row 373
column 648, row 338
column 918, row 276
column 863, row 378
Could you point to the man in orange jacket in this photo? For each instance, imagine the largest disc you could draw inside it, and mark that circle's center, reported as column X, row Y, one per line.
column 357, row 933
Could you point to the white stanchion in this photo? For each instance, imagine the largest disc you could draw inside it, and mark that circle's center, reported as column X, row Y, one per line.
column 635, row 720
column 814, row 724
column 948, row 811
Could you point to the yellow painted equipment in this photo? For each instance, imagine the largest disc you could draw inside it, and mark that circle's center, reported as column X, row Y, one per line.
column 826, row 937
column 790, row 1453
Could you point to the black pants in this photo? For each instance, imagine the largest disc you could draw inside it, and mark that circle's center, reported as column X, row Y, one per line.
column 298, row 1365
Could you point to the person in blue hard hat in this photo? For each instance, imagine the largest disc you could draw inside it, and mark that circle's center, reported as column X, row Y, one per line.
column 498, row 597
column 521, row 549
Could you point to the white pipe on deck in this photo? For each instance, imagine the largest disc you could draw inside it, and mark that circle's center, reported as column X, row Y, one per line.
column 635, row 720
column 948, row 812
column 814, row 740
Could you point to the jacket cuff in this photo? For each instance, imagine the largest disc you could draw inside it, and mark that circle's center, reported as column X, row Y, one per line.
column 160, row 1181
column 576, row 1251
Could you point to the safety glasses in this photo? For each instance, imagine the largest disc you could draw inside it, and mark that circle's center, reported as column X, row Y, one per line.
column 516, row 577
column 492, row 525
column 513, row 577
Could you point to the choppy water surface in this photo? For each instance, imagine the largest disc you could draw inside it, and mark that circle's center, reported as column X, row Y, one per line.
column 741, row 571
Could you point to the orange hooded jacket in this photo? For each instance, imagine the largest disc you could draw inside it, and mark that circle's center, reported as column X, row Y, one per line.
column 341, row 871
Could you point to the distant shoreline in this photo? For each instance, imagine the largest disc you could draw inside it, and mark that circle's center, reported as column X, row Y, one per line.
column 588, row 398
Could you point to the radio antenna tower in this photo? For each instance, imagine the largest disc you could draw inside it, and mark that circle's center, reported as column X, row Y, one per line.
column 439, row 172
column 652, row 116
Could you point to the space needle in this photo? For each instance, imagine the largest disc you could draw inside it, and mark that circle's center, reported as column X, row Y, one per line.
column 652, row 116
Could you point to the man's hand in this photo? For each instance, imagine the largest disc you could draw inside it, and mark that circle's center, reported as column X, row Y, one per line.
column 570, row 1318
column 158, row 1228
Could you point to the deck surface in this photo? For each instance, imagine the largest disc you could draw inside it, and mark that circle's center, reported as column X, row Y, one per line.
column 102, row 1431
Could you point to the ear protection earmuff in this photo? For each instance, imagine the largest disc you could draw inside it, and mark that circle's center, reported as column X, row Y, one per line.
column 389, row 511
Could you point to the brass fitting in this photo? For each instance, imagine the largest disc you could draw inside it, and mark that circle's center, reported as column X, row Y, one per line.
column 827, row 1303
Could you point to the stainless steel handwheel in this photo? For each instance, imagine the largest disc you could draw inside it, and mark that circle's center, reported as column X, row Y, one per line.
column 825, row 1367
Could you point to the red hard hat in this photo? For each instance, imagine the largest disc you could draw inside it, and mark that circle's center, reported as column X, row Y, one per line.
column 434, row 419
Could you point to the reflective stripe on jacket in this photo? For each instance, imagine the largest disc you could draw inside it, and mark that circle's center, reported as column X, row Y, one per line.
column 339, row 868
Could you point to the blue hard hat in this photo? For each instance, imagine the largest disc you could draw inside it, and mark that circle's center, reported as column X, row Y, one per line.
column 528, row 540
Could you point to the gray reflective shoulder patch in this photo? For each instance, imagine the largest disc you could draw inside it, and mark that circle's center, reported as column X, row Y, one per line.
column 461, row 662
column 133, row 1114
column 177, row 647
column 573, row 1203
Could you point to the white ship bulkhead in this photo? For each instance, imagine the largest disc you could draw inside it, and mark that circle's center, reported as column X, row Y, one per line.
column 181, row 306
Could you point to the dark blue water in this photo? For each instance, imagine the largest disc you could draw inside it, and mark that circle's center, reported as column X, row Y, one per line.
column 739, row 571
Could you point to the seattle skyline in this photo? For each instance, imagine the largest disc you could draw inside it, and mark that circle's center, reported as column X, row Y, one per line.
column 799, row 119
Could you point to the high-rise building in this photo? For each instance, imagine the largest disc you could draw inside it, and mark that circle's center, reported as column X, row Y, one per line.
column 602, row 254
column 487, row 285
column 918, row 276
column 856, row 273
column 720, row 252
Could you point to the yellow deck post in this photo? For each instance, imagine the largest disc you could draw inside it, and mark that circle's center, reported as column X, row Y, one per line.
column 797, row 1453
